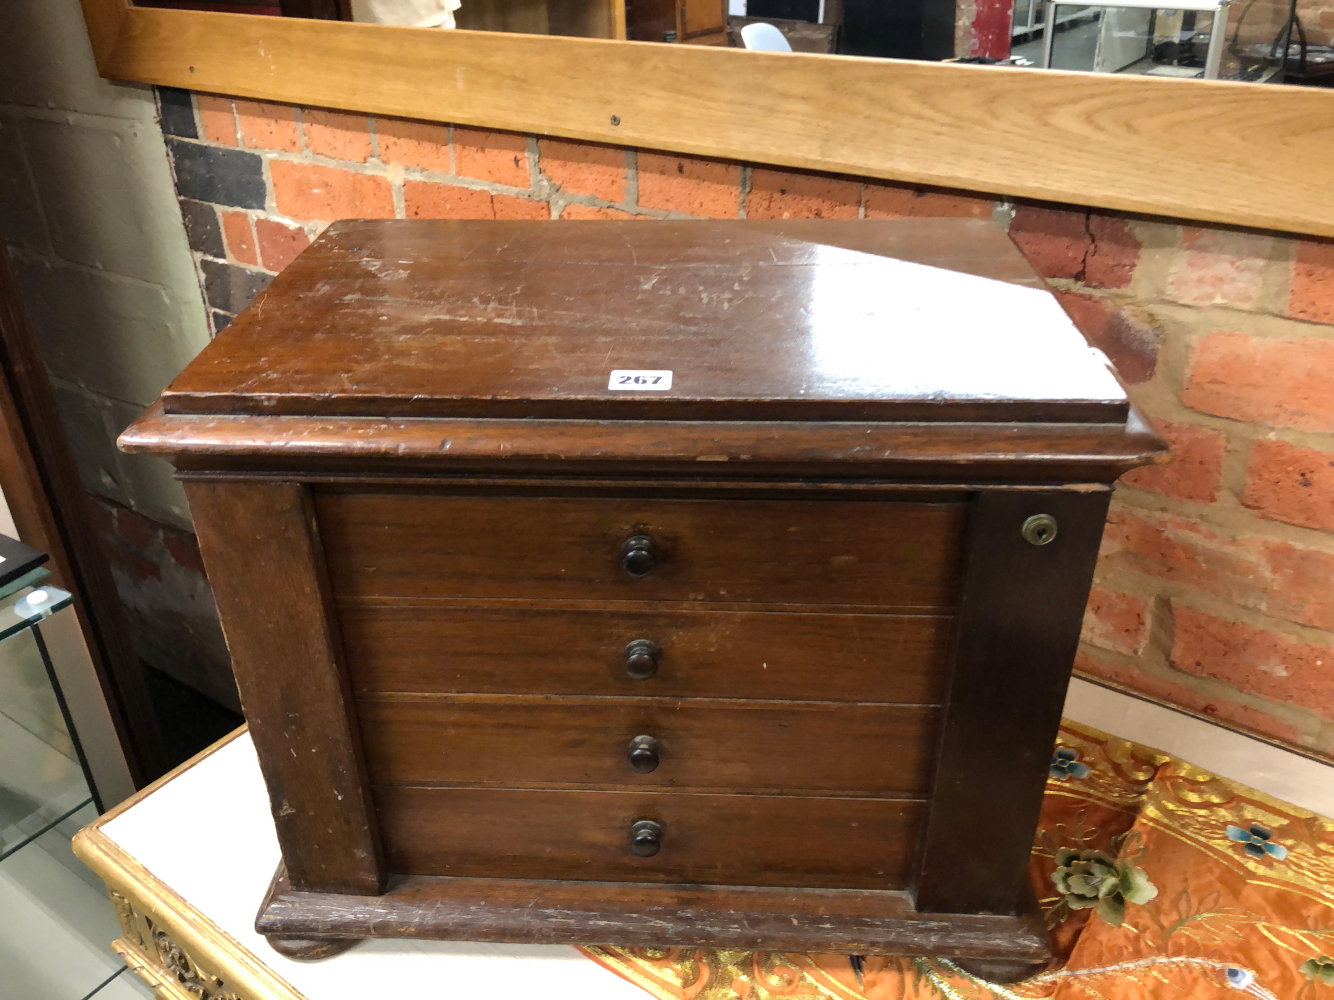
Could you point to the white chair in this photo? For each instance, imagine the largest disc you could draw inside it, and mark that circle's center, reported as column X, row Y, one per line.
column 764, row 38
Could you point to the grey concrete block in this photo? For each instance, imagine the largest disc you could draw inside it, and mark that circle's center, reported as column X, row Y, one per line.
column 150, row 483
column 88, row 426
column 142, row 482
column 99, row 168
column 20, row 220
column 46, row 61
column 122, row 338
column 107, row 194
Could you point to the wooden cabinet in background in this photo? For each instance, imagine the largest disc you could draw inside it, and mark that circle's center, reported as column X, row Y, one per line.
column 694, row 22
column 575, row 18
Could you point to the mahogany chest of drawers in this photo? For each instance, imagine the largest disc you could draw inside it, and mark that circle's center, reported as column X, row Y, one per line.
column 708, row 584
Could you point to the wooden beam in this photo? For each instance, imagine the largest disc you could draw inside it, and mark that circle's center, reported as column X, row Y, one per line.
column 104, row 19
column 1235, row 153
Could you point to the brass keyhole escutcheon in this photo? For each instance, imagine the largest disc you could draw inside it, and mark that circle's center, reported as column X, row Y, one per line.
column 1039, row 529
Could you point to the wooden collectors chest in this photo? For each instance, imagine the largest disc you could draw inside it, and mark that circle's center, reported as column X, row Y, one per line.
column 696, row 583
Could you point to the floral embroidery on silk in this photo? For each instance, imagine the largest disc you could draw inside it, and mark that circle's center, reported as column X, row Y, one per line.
column 1065, row 763
column 1159, row 881
column 1255, row 841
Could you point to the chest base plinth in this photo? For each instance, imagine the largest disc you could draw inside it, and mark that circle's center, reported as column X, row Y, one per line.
column 649, row 915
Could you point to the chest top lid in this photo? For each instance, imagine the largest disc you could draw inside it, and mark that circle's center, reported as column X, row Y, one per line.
column 902, row 320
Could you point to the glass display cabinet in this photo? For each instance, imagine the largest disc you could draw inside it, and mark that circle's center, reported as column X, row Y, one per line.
column 1144, row 37
column 43, row 777
column 1264, row 30
column 57, row 918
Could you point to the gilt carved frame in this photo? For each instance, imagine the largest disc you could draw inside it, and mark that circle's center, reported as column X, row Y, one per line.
column 1242, row 154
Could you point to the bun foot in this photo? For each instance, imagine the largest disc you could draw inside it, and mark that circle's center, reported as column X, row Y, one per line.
column 309, row 949
column 999, row 970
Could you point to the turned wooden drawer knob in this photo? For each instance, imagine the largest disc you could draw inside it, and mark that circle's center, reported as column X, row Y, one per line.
column 645, row 837
column 643, row 755
column 639, row 555
column 641, row 659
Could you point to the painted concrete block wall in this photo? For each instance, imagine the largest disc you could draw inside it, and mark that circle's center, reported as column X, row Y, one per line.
column 90, row 219
column 88, row 212
column 1213, row 592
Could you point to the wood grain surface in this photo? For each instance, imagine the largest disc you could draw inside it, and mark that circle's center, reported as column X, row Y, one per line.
column 403, row 545
column 1132, row 143
column 778, row 840
column 506, row 550
column 528, row 647
column 861, row 456
column 267, row 573
column 644, row 914
column 473, row 318
column 1018, row 631
column 518, row 741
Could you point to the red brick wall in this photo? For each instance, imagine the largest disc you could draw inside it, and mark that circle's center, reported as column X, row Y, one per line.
column 1214, row 589
column 258, row 181
column 1216, row 583
column 160, row 578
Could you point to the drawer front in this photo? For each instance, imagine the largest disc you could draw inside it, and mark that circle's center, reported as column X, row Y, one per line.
column 715, row 839
column 407, row 546
column 868, row 750
column 703, row 654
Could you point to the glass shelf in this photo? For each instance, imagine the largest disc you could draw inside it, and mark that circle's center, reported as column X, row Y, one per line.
column 28, row 606
column 57, row 920
column 42, row 780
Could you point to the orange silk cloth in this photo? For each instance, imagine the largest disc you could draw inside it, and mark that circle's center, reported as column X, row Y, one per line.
column 1244, row 903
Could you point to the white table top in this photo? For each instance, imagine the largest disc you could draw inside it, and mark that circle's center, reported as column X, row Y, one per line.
column 208, row 835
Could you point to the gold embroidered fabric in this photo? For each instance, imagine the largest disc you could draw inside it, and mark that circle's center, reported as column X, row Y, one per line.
column 1160, row 881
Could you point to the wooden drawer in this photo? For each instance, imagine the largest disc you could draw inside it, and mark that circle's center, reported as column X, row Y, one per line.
column 704, row 654
column 528, row 741
column 409, row 546
column 718, row 839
